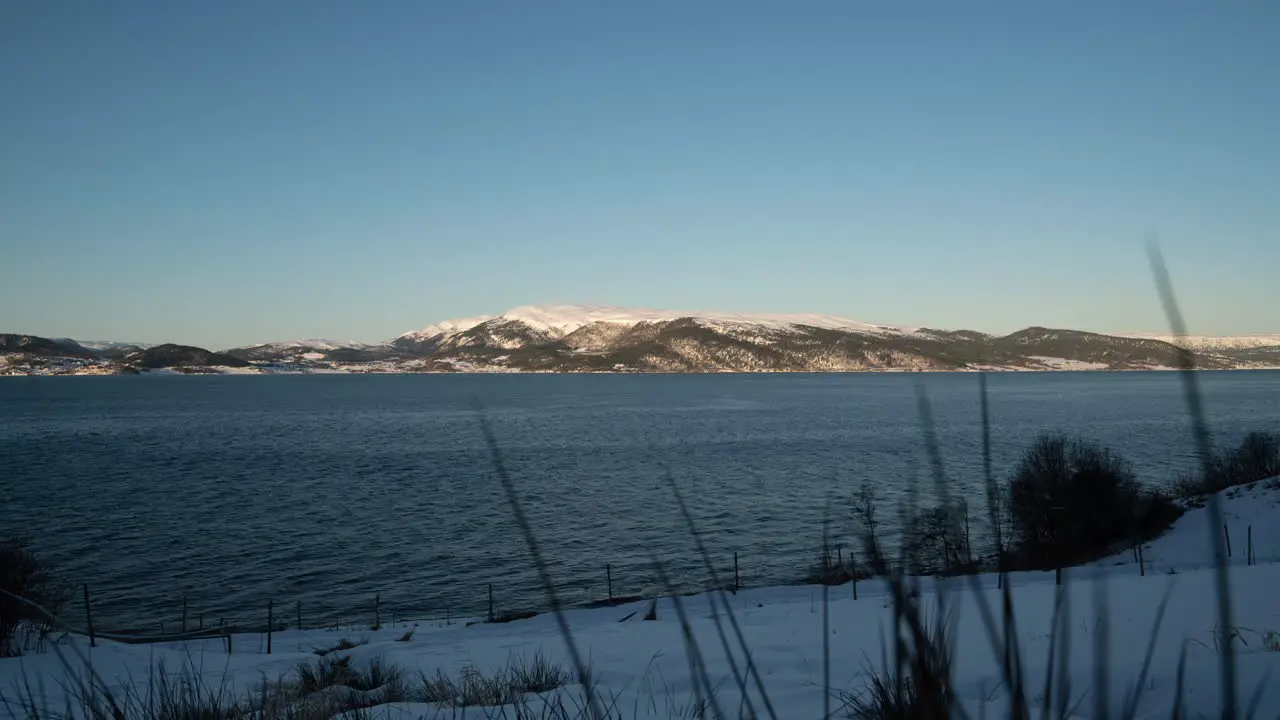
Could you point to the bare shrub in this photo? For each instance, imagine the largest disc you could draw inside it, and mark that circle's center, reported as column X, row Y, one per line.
column 830, row 567
column 31, row 594
column 1257, row 457
column 1070, row 501
column 936, row 541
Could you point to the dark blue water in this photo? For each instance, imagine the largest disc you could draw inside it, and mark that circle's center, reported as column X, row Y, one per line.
column 330, row 490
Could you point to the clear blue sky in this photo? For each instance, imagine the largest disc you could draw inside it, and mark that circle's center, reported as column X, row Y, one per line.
column 221, row 173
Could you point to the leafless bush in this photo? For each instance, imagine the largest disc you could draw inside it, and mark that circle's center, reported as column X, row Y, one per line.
column 1257, row 457
column 937, row 541
column 31, row 594
column 1070, row 501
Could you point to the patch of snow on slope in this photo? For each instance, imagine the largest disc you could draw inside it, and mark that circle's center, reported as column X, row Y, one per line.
column 1066, row 364
column 227, row 370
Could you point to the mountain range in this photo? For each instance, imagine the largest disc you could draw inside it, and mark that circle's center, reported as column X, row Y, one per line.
column 574, row 338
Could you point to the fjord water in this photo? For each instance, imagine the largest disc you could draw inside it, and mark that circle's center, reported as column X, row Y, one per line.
column 330, row 490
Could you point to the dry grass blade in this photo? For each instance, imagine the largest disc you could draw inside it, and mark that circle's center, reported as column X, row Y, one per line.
column 697, row 665
column 1055, row 625
column 544, row 573
column 826, row 620
column 1000, row 635
column 1101, row 651
column 1064, row 655
column 1204, row 447
column 1012, row 654
column 1255, row 699
column 751, row 669
column 988, row 476
column 938, row 688
column 1179, row 683
column 1131, row 708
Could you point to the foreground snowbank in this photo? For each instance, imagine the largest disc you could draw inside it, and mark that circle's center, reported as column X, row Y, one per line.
column 642, row 665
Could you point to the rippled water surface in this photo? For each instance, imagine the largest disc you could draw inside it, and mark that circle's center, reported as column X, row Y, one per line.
column 331, row 490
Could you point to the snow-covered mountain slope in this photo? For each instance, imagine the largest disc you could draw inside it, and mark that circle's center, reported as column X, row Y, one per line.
column 560, row 320
column 311, row 344
column 1209, row 342
column 587, row 337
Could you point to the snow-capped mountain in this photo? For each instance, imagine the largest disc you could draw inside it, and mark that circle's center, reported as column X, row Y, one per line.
column 584, row 338
column 590, row 338
column 107, row 345
column 561, row 320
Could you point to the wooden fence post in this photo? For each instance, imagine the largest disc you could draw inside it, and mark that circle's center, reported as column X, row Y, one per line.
column 377, row 611
column 490, row 602
column 968, row 548
column 299, row 614
column 1227, row 533
column 608, row 577
column 88, row 616
column 1057, row 575
column 184, row 614
column 1142, row 563
column 271, row 621
column 1249, row 551
column 853, row 570
column 737, row 579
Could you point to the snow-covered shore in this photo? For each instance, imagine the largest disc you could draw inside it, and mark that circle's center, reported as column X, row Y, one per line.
column 642, row 665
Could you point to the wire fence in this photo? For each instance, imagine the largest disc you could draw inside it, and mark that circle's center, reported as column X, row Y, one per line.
column 836, row 566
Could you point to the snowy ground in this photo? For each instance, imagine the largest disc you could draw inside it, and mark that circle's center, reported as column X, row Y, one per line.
column 1247, row 510
column 643, row 666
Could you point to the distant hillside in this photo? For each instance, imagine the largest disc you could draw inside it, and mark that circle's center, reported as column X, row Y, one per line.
column 165, row 356
column 1118, row 353
column 42, row 347
column 314, row 350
